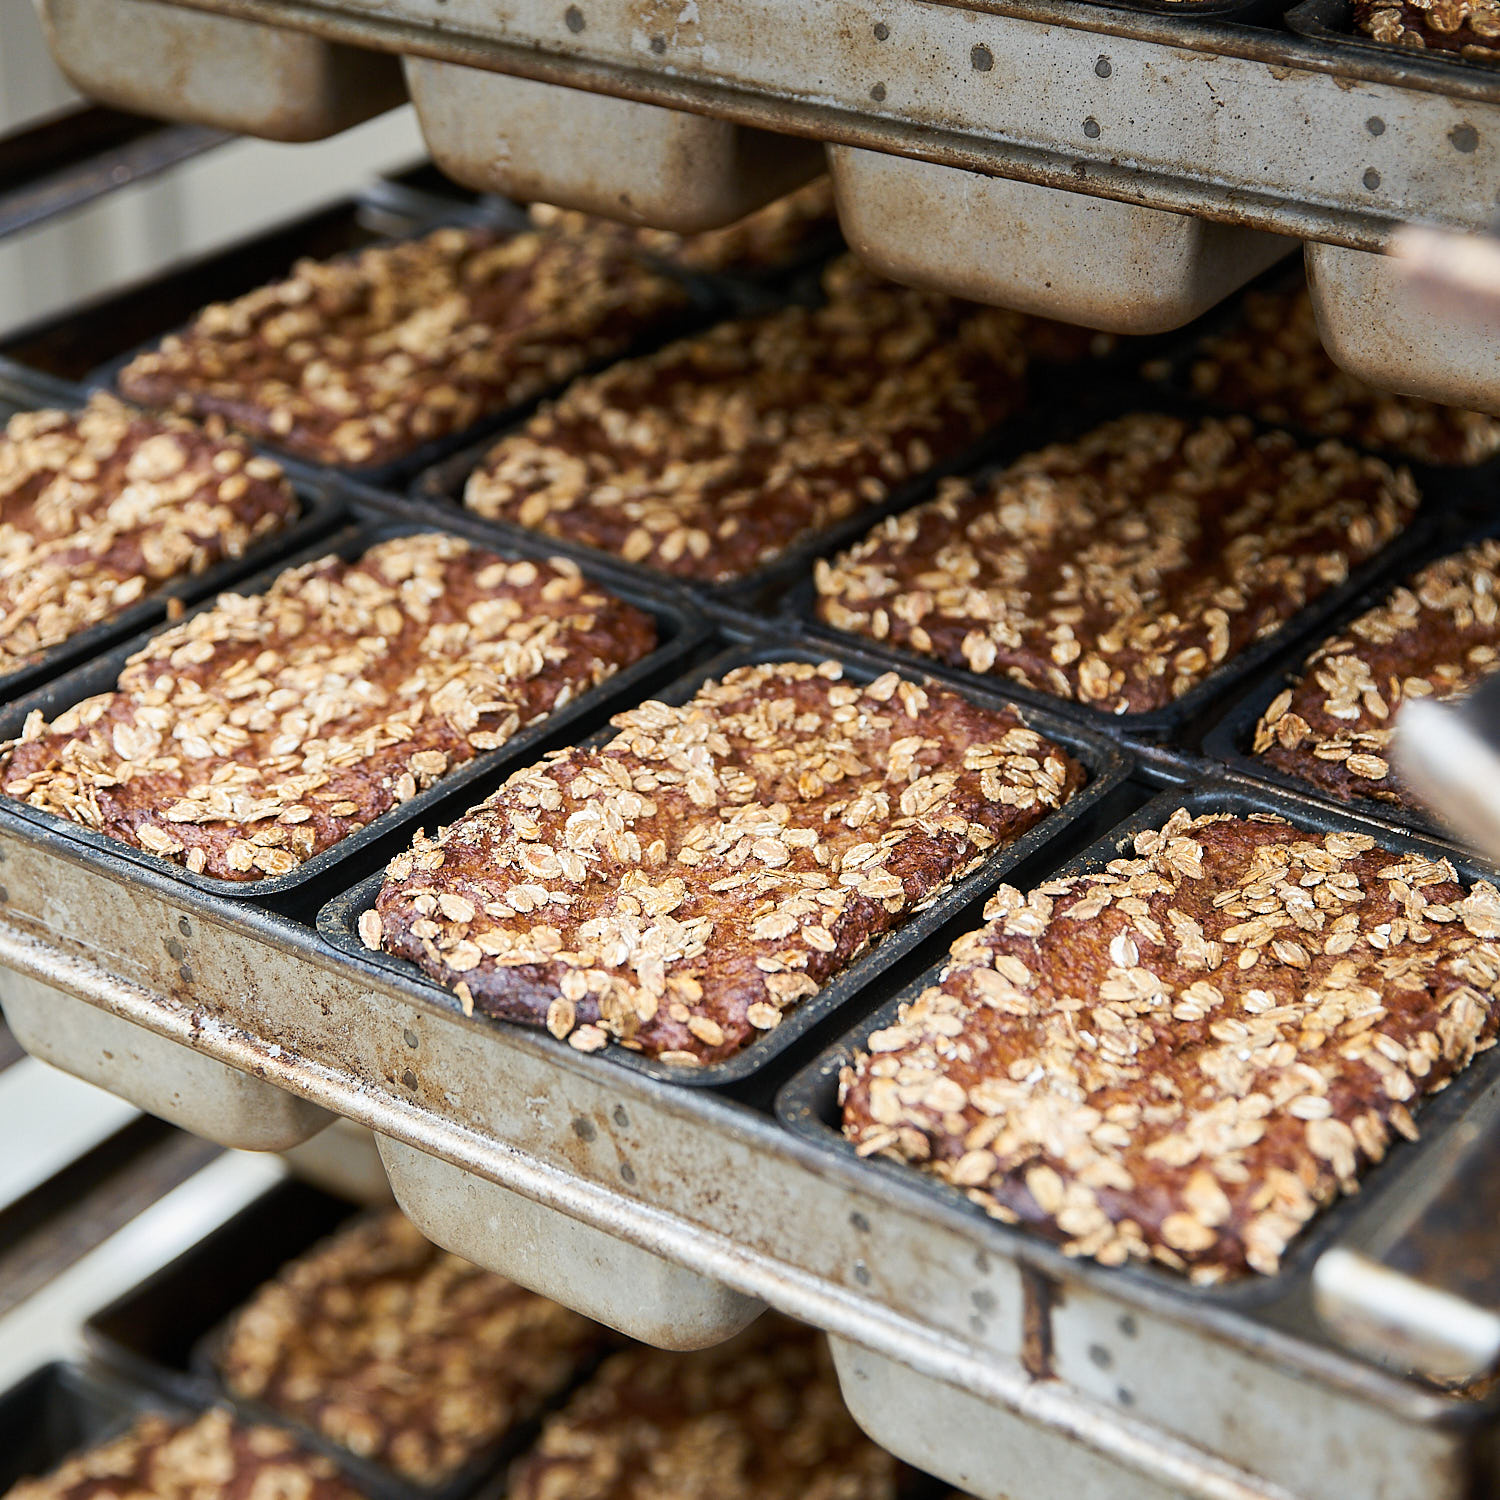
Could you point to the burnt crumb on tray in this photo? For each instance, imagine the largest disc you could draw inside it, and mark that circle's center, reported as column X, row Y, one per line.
column 681, row 887
column 101, row 507
column 1120, row 570
column 1185, row 1056
column 362, row 360
column 264, row 729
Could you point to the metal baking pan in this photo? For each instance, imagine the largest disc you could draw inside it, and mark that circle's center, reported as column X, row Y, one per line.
column 159, row 59
column 1104, row 264
column 1106, row 765
column 1176, row 726
column 155, row 1073
column 1332, row 22
column 808, row 1106
column 1229, row 741
column 318, row 513
column 679, row 631
column 1376, row 327
column 624, row 160
column 1240, row 12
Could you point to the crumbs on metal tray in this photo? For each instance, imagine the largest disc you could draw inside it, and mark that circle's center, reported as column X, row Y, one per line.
column 261, row 731
column 1185, row 1056
column 682, row 887
column 1123, row 568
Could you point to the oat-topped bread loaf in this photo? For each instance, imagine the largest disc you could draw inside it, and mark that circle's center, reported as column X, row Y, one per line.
column 212, row 1458
column 1469, row 27
column 766, row 240
column 712, row 456
column 1435, row 637
column 401, row 1352
column 261, row 731
column 681, row 887
column 757, row 1418
column 100, row 507
column 1123, row 568
column 1271, row 362
column 361, row 360
column 1186, row 1055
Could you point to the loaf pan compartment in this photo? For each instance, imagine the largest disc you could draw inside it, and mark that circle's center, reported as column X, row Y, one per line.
column 1107, row 768
column 159, row 59
column 624, row 160
column 679, row 630
column 155, row 1073
column 808, row 1103
column 1103, row 264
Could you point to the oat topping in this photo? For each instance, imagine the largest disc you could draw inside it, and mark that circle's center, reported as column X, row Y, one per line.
column 360, row 360
column 710, row 457
column 683, row 886
column 757, row 1418
column 1469, row 27
column 765, row 240
column 1272, row 363
column 255, row 734
column 1185, row 1056
column 100, row 507
column 401, row 1352
column 212, row 1458
column 1121, row 569
column 1435, row 637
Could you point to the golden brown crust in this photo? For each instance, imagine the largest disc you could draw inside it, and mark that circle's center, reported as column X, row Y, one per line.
column 400, row 1352
column 1435, row 637
column 757, row 1418
column 1272, row 363
column 1186, row 1056
column 261, row 731
column 714, row 864
column 100, row 507
column 212, row 1458
column 1121, row 569
column 361, row 360
column 711, row 457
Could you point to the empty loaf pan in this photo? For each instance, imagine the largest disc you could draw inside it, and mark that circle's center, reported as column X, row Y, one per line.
column 636, row 162
column 1041, row 250
column 1379, row 330
column 546, row 1251
column 159, row 59
column 158, row 1075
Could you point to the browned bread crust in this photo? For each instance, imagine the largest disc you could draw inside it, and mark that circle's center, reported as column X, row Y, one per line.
column 682, row 886
column 1121, row 569
column 260, row 732
column 401, row 1352
column 1184, row 1057
column 100, row 507
column 360, row 360
column 1435, row 637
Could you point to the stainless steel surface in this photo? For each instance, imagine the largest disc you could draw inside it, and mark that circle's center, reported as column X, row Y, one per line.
column 159, row 1076
column 592, row 1271
column 156, row 59
column 1376, row 325
column 1255, row 128
column 637, row 162
column 1041, row 250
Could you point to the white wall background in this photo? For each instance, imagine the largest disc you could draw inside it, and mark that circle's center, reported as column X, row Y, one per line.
column 210, row 201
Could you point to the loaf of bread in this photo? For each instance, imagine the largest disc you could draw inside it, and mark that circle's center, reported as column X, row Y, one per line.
column 1185, row 1056
column 1122, row 569
column 401, row 1352
column 1434, row 637
column 100, row 507
column 681, row 887
column 360, row 360
column 261, row 731
column 1471, row 28
column 212, row 1458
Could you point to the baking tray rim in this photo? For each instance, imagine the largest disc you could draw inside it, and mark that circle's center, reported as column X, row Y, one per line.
column 1109, row 766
